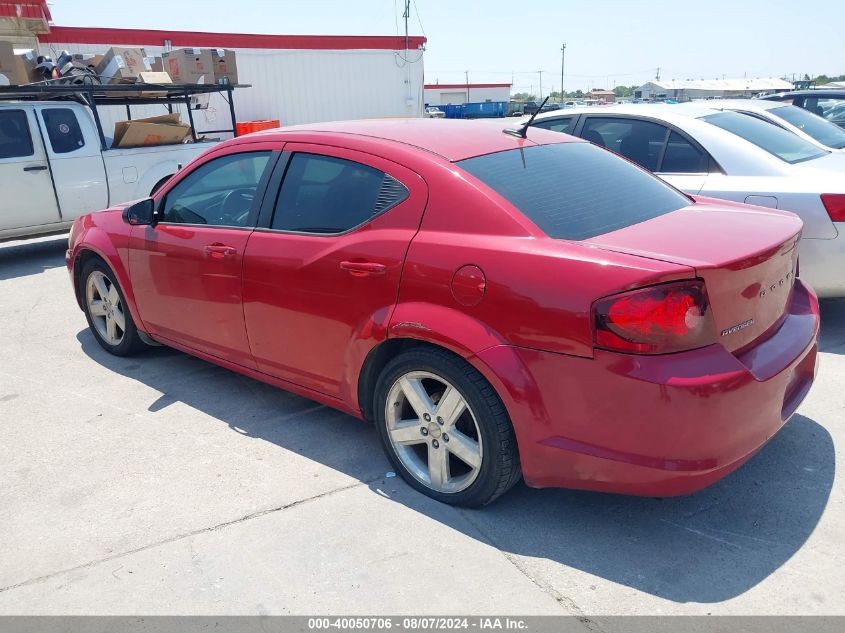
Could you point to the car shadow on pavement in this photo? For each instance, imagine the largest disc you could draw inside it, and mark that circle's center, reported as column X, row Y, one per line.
column 20, row 259
column 707, row 547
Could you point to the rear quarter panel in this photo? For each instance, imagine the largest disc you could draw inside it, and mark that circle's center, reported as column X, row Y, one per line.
column 537, row 291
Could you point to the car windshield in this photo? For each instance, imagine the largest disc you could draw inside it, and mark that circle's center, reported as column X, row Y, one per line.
column 575, row 191
column 823, row 131
column 785, row 145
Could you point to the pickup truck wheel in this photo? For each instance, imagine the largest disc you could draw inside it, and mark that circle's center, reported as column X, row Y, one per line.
column 444, row 428
column 105, row 308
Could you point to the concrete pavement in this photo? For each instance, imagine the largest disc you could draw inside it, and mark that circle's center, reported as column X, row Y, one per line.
column 161, row 484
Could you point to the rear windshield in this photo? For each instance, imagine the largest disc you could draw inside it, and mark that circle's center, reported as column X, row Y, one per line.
column 575, row 191
column 822, row 130
column 771, row 138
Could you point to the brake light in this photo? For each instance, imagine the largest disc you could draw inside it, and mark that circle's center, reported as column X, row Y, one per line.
column 835, row 205
column 661, row 319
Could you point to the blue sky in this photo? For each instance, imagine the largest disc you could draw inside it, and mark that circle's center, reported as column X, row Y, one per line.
column 608, row 41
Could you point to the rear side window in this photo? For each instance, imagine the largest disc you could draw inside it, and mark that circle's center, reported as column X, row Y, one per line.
column 63, row 130
column 767, row 136
column 15, row 141
column 682, row 157
column 637, row 140
column 324, row 194
column 562, row 124
column 575, row 191
column 823, row 131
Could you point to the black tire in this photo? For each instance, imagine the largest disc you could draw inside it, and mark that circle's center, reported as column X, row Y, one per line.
column 500, row 469
column 130, row 342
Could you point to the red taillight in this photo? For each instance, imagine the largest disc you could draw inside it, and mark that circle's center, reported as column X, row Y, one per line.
column 660, row 319
column 835, row 205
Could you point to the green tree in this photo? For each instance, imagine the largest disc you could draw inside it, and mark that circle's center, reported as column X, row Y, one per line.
column 524, row 96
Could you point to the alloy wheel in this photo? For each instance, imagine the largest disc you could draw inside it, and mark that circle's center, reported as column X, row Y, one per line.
column 105, row 308
column 433, row 432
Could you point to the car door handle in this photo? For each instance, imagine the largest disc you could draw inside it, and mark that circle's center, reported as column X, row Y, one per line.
column 361, row 269
column 35, row 168
column 219, row 251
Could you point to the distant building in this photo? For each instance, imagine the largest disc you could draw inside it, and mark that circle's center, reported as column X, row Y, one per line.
column 445, row 94
column 294, row 78
column 709, row 88
column 608, row 96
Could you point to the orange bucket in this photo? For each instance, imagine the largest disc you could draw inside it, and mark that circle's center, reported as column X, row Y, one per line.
column 246, row 127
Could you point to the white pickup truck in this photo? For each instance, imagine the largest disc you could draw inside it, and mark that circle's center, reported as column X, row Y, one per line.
column 53, row 168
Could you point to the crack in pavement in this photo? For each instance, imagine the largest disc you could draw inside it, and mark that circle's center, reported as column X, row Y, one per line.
column 566, row 603
column 179, row 537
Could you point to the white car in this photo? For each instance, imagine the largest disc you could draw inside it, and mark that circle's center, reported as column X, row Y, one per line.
column 53, row 168
column 434, row 113
column 729, row 155
column 804, row 123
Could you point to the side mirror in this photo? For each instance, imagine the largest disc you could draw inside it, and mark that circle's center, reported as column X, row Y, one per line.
column 141, row 213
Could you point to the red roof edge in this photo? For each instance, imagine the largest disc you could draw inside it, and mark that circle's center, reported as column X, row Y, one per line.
column 178, row 39
column 435, row 86
column 26, row 9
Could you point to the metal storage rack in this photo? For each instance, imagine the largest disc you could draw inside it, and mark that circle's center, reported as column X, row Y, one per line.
column 98, row 95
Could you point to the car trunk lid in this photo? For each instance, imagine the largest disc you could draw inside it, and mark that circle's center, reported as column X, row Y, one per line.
column 747, row 257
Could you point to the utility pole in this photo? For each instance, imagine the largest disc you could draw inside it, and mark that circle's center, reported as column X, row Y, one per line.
column 466, row 74
column 541, row 84
column 562, row 60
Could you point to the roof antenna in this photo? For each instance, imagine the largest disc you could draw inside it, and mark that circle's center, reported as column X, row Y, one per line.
column 522, row 132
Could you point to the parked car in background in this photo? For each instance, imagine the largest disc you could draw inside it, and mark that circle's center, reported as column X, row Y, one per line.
column 530, row 108
column 733, row 156
column 829, row 104
column 53, row 169
column 797, row 120
column 600, row 331
column 433, row 112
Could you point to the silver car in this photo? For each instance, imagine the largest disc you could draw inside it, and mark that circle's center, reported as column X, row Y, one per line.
column 722, row 154
column 804, row 123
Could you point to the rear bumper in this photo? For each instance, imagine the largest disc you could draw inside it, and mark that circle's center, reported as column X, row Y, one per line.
column 654, row 425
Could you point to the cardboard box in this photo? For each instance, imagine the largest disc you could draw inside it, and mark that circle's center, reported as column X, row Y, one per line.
column 122, row 65
column 155, row 64
column 225, row 66
column 93, row 61
column 189, row 66
column 158, row 130
column 158, row 78
column 27, row 61
column 13, row 71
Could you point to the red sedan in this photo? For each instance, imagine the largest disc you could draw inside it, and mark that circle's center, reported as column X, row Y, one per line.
column 500, row 307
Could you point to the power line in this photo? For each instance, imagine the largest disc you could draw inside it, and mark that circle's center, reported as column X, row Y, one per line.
column 417, row 11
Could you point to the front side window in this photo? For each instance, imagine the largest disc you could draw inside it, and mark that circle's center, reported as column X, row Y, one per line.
column 637, row 140
column 823, row 131
column 575, row 191
column 15, row 141
column 63, row 130
column 220, row 192
column 324, row 194
column 775, row 140
column 563, row 124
